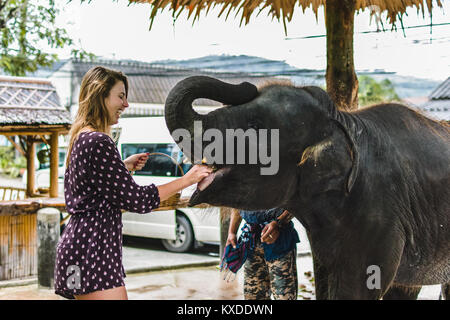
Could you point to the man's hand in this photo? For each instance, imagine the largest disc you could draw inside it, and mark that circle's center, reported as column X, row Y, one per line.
column 270, row 233
column 232, row 239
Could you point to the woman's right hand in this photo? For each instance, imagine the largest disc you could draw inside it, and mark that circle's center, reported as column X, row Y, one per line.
column 197, row 174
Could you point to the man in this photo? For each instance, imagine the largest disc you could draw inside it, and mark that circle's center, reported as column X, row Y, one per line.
column 270, row 239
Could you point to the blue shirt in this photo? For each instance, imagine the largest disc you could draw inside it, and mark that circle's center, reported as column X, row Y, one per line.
column 287, row 239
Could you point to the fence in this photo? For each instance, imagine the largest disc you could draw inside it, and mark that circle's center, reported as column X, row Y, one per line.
column 12, row 193
column 19, row 232
column 18, row 244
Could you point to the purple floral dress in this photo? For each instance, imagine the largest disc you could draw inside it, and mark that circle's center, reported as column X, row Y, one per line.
column 97, row 185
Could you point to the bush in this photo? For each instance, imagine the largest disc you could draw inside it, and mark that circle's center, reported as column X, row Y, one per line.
column 370, row 91
column 9, row 164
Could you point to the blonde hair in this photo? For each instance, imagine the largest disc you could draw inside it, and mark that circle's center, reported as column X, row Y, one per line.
column 92, row 112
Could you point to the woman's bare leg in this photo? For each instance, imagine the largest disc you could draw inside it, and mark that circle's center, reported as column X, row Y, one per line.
column 119, row 293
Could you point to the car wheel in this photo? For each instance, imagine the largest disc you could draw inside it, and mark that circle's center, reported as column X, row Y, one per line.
column 184, row 236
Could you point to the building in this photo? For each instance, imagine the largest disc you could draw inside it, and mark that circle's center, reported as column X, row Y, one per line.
column 149, row 83
column 438, row 103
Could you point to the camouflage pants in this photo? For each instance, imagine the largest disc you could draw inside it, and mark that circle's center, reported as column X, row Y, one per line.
column 277, row 277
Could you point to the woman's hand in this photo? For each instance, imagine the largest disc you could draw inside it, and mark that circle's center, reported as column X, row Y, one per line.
column 270, row 233
column 197, row 174
column 136, row 161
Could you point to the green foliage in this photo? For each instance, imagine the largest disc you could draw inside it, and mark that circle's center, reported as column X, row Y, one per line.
column 24, row 26
column 9, row 164
column 370, row 91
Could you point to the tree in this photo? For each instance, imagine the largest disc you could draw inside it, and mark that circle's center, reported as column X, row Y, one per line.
column 24, row 26
column 342, row 84
column 370, row 91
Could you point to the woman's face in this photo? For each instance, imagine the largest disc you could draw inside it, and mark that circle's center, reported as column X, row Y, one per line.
column 116, row 102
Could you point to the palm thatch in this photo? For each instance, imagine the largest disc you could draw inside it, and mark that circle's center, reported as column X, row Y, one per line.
column 283, row 9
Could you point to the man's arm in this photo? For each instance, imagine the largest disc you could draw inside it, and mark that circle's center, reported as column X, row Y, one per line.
column 235, row 221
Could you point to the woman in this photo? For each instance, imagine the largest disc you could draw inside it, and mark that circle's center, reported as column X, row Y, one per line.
column 97, row 185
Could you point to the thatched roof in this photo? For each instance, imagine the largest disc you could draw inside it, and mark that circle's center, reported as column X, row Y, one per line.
column 30, row 101
column 283, row 9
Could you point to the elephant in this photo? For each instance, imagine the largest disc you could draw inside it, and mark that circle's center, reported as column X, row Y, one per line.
column 370, row 186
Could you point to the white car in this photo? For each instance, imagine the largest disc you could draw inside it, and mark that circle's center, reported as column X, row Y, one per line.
column 179, row 229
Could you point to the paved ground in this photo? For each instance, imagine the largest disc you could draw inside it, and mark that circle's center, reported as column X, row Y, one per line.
column 202, row 283
column 146, row 281
column 154, row 273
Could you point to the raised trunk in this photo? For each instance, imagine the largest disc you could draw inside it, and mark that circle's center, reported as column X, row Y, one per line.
column 342, row 83
column 178, row 108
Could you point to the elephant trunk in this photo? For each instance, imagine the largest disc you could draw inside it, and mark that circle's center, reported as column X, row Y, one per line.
column 178, row 108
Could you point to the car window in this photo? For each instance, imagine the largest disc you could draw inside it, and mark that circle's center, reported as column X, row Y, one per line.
column 160, row 162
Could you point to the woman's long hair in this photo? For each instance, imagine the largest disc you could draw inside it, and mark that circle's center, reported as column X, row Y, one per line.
column 92, row 113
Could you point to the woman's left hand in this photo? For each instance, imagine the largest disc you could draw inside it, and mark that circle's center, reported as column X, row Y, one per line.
column 136, row 161
column 270, row 233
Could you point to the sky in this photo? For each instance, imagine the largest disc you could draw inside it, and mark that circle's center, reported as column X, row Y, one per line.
column 115, row 30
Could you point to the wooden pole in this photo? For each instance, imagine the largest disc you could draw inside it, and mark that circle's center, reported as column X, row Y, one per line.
column 18, row 148
column 54, row 163
column 342, row 83
column 31, row 150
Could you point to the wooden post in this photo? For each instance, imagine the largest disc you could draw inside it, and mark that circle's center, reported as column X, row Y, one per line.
column 342, row 83
column 54, row 164
column 31, row 150
column 48, row 237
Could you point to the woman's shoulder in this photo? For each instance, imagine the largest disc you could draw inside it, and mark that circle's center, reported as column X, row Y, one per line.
column 93, row 137
column 90, row 140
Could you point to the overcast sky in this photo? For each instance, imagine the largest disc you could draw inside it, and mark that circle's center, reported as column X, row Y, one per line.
column 116, row 30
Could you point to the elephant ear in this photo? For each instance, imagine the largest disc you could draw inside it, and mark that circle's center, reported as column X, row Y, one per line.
column 330, row 165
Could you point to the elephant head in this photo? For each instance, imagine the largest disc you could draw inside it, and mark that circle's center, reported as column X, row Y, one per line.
column 295, row 144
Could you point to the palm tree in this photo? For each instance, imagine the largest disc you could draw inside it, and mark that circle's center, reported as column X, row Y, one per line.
column 342, row 83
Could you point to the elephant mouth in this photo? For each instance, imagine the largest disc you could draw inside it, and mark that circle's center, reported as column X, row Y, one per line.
column 215, row 175
column 207, row 183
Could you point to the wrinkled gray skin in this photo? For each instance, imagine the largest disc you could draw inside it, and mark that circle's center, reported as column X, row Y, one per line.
column 371, row 187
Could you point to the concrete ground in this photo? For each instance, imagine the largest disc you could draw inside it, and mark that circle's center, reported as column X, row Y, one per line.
column 155, row 274
column 192, row 283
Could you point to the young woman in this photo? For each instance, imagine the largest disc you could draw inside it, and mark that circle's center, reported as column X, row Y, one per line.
column 97, row 185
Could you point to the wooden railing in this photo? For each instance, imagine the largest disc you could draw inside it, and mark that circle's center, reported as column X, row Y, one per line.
column 12, row 193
